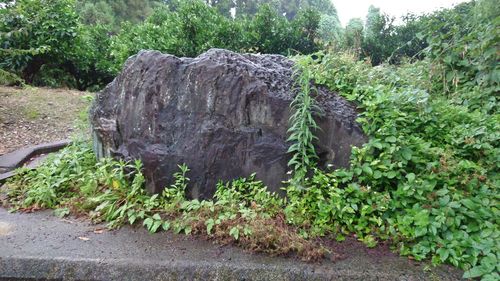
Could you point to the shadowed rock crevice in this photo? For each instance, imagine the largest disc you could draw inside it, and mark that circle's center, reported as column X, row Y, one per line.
column 223, row 114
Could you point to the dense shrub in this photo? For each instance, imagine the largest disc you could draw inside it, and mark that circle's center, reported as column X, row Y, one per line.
column 48, row 43
column 428, row 178
column 463, row 45
column 193, row 27
column 34, row 33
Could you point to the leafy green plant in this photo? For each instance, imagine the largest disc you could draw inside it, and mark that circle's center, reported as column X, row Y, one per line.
column 465, row 53
column 427, row 179
column 302, row 123
column 47, row 186
column 246, row 213
column 10, row 79
column 35, row 33
column 243, row 211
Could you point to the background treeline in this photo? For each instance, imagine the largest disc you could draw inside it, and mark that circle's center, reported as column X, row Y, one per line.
column 83, row 44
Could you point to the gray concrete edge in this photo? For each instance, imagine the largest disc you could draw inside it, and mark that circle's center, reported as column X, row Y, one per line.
column 32, row 268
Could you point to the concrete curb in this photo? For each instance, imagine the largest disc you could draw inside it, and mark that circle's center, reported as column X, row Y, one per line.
column 16, row 159
column 65, row 268
column 97, row 269
column 40, row 246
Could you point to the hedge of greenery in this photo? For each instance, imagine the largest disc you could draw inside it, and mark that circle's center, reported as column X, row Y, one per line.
column 83, row 44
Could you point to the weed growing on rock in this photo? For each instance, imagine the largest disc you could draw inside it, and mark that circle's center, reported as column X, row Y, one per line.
column 302, row 123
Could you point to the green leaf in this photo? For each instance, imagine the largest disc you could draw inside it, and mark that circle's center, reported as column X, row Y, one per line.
column 234, row 232
column 443, row 201
column 474, row 272
column 443, row 254
column 367, row 169
column 407, row 154
column 132, row 219
column 155, row 226
column 148, row 223
column 410, row 177
column 61, row 212
column 391, row 139
column 210, row 224
column 469, row 204
column 422, row 218
column 442, row 192
column 377, row 145
column 166, row 225
column 420, row 231
column 391, row 174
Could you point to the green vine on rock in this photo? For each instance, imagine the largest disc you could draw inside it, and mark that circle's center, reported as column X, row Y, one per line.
column 302, row 123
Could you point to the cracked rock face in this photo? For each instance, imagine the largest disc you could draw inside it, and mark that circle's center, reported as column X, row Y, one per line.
column 223, row 114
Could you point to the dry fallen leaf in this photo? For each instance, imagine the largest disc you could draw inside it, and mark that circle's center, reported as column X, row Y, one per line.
column 84, row 238
column 98, row 231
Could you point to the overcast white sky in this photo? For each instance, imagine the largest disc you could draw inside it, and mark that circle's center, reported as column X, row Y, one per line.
column 348, row 9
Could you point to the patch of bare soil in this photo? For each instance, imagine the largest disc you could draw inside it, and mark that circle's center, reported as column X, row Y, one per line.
column 33, row 116
column 350, row 246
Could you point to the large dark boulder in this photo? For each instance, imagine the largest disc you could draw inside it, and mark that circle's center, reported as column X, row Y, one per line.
column 223, row 114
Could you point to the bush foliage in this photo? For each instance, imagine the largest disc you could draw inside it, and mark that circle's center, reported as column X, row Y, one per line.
column 83, row 44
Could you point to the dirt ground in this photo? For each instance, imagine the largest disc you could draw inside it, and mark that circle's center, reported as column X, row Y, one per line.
column 32, row 116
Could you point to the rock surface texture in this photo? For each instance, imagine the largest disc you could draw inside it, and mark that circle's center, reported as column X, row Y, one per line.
column 223, row 114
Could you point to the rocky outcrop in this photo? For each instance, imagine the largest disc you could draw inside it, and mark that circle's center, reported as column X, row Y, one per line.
column 223, row 114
